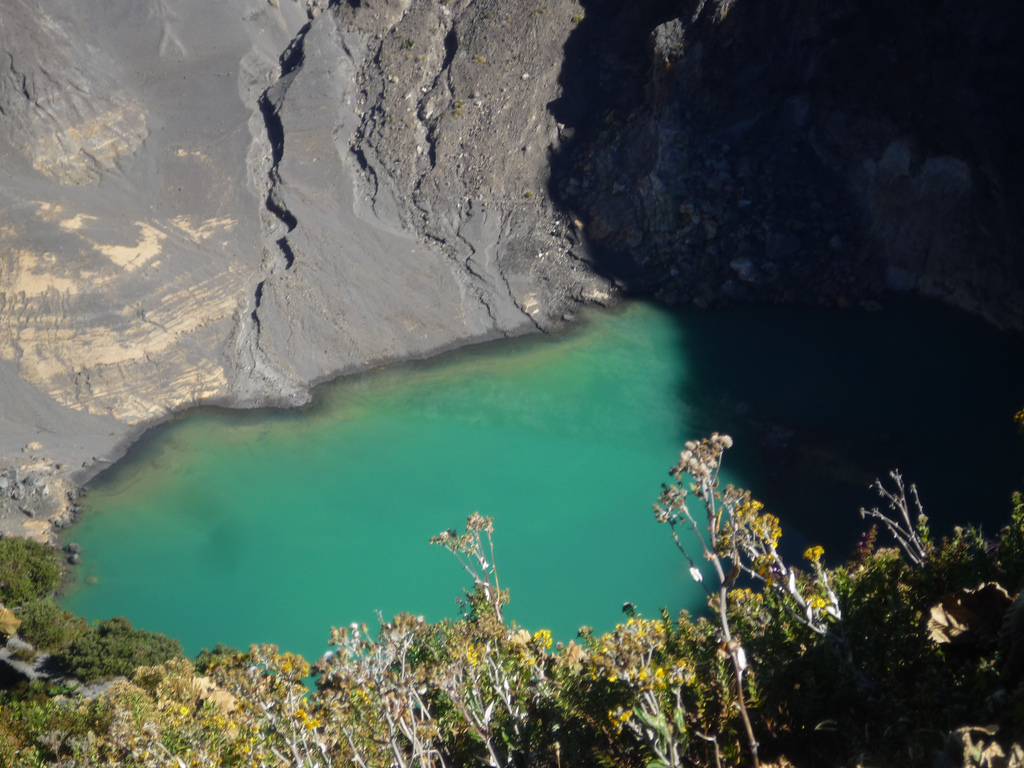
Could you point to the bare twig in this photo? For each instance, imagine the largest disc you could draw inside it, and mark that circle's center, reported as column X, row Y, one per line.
column 911, row 536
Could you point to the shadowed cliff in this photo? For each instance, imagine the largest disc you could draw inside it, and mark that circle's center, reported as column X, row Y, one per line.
column 794, row 152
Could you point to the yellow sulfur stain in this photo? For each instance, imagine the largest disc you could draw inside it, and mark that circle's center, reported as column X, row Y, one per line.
column 34, row 276
column 204, row 230
column 131, row 257
column 75, row 224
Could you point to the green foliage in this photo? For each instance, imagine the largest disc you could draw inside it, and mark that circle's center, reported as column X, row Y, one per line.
column 26, row 655
column 114, row 647
column 48, row 626
column 28, row 570
column 207, row 659
column 1011, row 546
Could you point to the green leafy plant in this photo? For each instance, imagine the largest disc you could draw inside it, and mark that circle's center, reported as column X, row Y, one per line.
column 115, row 647
column 207, row 659
column 48, row 626
column 28, row 570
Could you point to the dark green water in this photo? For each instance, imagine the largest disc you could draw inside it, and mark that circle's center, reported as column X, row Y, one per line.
column 271, row 527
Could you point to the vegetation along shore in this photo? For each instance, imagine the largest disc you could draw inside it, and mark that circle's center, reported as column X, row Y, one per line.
column 909, row 651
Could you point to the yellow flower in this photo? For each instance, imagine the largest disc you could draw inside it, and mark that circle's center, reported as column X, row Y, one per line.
column 814, row 554
column 619, row 717
column 543, row 638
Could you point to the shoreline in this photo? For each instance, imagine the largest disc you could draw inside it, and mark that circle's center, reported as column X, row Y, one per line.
column 314, row 264
column 69, row 483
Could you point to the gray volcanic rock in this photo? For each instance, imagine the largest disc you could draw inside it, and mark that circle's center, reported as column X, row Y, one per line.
column 63, row 107
column 402, row 258
column 198, row 204
column 837, row 150
column 457, row 136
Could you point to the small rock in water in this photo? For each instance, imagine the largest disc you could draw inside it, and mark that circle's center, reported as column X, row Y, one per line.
column 74, row 558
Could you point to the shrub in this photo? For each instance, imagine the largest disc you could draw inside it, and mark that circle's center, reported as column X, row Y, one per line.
column 114, row 647
column 1011, row 545
column 48, row 626
column 28, row 570
column 207, row 659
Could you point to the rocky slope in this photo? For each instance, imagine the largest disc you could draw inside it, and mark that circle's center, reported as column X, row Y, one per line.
column 804, row 152
column 228, row 203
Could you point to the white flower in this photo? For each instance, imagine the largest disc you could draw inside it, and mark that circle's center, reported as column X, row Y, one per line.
column 696, row 574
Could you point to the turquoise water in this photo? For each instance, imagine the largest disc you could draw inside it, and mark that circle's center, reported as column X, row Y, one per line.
column 272, row 527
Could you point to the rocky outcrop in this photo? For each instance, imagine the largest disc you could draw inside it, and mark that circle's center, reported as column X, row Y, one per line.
column 35, row 497
column 230, row 203
column 435, row 239
column 800, row 152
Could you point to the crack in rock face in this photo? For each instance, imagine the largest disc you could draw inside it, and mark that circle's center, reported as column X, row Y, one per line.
column 455, row 127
